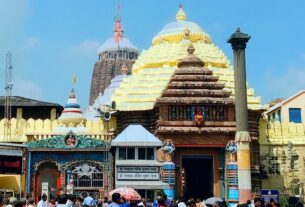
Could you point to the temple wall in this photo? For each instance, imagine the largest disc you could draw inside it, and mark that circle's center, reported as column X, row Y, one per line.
column 276, row 133
column 26, row 130
column 275, row 154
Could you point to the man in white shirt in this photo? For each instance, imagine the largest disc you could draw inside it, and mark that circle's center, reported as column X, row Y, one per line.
column 43, row 201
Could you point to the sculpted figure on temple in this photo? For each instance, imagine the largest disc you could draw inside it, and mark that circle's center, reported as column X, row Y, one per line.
column 198, row 116
column 231, row 148
column 168, row 148
column 70, row 140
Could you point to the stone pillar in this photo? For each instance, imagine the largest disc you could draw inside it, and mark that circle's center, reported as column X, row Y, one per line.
column 238, row 41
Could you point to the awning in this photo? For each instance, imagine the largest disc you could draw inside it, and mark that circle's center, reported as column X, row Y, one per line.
column 152, row 185
column 11, row 152
column 11, row 182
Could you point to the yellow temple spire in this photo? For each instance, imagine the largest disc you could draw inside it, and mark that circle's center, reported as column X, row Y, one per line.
column 181, row 15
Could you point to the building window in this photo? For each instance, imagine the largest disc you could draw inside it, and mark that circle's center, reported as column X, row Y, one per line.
column 131, row 55
column 87, row 175
column 120, row 54
column 279, row 117
column 295, row 115
column 147, row 194
column 126, row 154
column 146, row 153
column 130, row 153
column 188, row 114
column 173, row 113
column 122, row 153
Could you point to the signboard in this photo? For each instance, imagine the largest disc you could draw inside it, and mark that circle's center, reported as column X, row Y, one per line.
column 10, row 164
column 45, row 189
column 138, row 176
column 138, row 173
column 266, row 194
column 138, row 169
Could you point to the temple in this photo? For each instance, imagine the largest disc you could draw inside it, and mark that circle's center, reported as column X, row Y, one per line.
column 113, row 54
column 169, row 117
column 75, row 159
column 197, row 114
column 182, row 89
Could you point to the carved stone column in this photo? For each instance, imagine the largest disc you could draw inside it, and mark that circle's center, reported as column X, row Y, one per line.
column 238, row 41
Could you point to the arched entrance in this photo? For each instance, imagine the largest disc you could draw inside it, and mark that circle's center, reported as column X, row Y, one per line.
column 47, row 172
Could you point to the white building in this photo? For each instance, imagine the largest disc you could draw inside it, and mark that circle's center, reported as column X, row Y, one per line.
column 135, row 161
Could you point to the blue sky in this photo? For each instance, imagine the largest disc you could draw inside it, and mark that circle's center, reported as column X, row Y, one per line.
column 52, row 39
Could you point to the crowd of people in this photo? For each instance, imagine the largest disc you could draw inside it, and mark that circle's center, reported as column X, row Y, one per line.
column 86, row 200
column 68, row 200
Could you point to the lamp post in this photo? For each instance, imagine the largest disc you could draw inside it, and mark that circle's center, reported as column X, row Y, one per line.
column 105, row 112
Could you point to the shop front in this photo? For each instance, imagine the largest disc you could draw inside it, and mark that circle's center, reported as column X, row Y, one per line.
column 62, row 164
column 11, row 169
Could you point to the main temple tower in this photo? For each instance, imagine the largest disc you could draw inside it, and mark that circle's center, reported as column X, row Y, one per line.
column 113, row 53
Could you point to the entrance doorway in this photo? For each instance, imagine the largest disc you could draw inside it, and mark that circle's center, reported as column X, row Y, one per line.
column 47, row 173
column 198, row 176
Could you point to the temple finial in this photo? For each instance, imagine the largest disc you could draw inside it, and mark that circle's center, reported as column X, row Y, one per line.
column 74, row 79
column 118, row 29
column 180, row 16
column 238, row 29
column 119, row 6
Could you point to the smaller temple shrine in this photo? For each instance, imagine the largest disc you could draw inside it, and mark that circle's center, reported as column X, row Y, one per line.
column 136, row 162
column 196, row 113
column 70, row 160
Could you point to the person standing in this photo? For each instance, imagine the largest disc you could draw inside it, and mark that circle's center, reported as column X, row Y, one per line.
column 105, row 202
column 78, row 202
column 88, row 200
column 124, row 203
column 30, row 202
column 52, row 202
column 257, row 202
column 62, row 200
column 43, row 201
column 116, row 200
column 1, row 201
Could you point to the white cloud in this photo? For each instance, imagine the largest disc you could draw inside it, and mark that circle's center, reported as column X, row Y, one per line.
column 27, row 88
column 85, row 48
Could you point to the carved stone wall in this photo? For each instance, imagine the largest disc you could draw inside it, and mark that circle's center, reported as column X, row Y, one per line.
column 103, row 72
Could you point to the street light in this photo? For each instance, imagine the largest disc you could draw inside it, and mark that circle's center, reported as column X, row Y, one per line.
column 105, row 111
